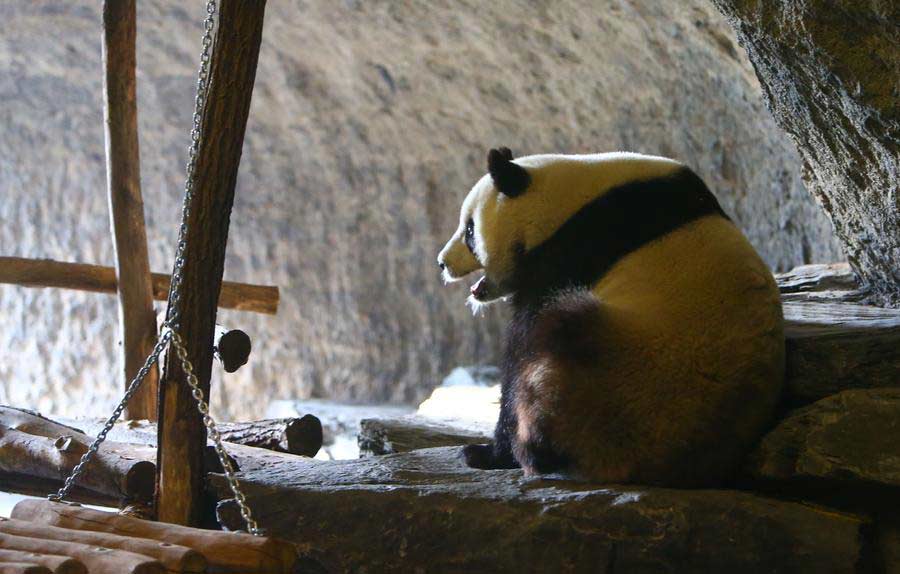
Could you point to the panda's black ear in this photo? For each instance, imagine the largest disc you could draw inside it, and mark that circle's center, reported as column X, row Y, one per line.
column 510, row 179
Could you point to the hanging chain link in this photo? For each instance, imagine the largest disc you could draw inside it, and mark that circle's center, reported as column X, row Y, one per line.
column 174, row 309
column 170, row 327
column 111, row 421
column 212, row 432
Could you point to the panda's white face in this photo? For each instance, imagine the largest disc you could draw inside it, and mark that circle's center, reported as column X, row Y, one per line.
column 521, row 203
column 478, row 243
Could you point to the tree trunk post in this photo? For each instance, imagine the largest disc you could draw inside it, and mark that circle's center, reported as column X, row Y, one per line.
column 137, row 320
column 182, row 435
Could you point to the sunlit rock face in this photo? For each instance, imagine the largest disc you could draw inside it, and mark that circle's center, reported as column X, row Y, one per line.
column 830, row 70
column 369, row 123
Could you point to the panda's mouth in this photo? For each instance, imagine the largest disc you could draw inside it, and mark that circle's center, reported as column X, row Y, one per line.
column 481, row 290
column 486, row 290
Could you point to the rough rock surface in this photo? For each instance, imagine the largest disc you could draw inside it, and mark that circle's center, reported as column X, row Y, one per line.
column 425, row 511
column 369, row 123
column 832, row 347
column 852, row 438
column 830, row 71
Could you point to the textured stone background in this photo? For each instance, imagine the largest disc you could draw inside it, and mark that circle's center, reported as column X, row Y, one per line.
column 830, row 72
column 369, row 122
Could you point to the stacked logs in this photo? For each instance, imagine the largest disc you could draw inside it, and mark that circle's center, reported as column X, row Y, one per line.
column 36, row 453
column 52, row 537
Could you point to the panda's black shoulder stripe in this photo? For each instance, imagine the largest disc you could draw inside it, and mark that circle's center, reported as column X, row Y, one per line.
column 618, row 222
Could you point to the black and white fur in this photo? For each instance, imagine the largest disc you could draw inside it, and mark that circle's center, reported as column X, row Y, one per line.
column 646, row 343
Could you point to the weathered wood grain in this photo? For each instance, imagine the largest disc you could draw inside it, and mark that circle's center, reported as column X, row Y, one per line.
column 297, row 435
column 182, row 435
column 100, row 279
column 23, row 568
column 224, row 551
column 95, row 558
column 173, row 557
column 301, row 436
column 392, row 435
column 53, row 562
column 137, row 323
column 817, row 277
column 41, row 487
column 31, row 445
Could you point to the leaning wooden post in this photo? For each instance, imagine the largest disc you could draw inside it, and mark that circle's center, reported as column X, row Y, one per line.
column 182, row 436
column 137, row 320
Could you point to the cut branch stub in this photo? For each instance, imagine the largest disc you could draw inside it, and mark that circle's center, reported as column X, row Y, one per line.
column 232, row 348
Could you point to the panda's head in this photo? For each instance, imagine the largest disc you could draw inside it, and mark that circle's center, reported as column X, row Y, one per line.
column 488, row 229
column 521, row 203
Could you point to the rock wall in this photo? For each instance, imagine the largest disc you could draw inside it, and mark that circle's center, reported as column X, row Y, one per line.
column 369, row 122
column 830, row 72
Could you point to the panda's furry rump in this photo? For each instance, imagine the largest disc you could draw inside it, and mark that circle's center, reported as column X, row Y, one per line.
column 543, row 341
column 561, row 337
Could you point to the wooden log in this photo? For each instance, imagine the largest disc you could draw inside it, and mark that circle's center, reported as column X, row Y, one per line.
column 833, row 282
column 52, row 562
column 23, row 568
column 298, row 435
column 232, row 348
column 301, row 436
column 136, row 441
column 182, row 435
column 41, row 487
column 100, row 279
column 137, row 322
column 117, row 470
column 224, row 551
column 388, row 436
column 173, row 557
column 95, row 558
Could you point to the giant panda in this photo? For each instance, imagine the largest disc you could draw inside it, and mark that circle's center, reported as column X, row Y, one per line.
column 646, row 343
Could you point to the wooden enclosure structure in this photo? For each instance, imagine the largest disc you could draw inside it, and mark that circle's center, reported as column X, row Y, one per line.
column 56, row 537
column 182, row 434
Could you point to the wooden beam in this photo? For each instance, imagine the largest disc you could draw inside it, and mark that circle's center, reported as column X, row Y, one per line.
column 23, row 567
column 95, row 558
column 53, row 563
column 100, row 279
column 39, row 447
column 224, row 551
column 173, row 557
column 137, row 321
column 182, row 435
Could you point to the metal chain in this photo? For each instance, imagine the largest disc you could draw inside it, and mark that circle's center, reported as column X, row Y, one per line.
column 170, row 327
column 111, row 421
column 213, row 433
column 174, row 309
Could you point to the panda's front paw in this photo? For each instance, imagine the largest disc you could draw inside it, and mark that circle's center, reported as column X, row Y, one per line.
column 479, row 456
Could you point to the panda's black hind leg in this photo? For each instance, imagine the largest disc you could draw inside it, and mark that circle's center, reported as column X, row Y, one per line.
column 486, row 457
column 497, row 454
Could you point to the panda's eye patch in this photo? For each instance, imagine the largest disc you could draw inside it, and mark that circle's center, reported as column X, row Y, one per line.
column 470, row 236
